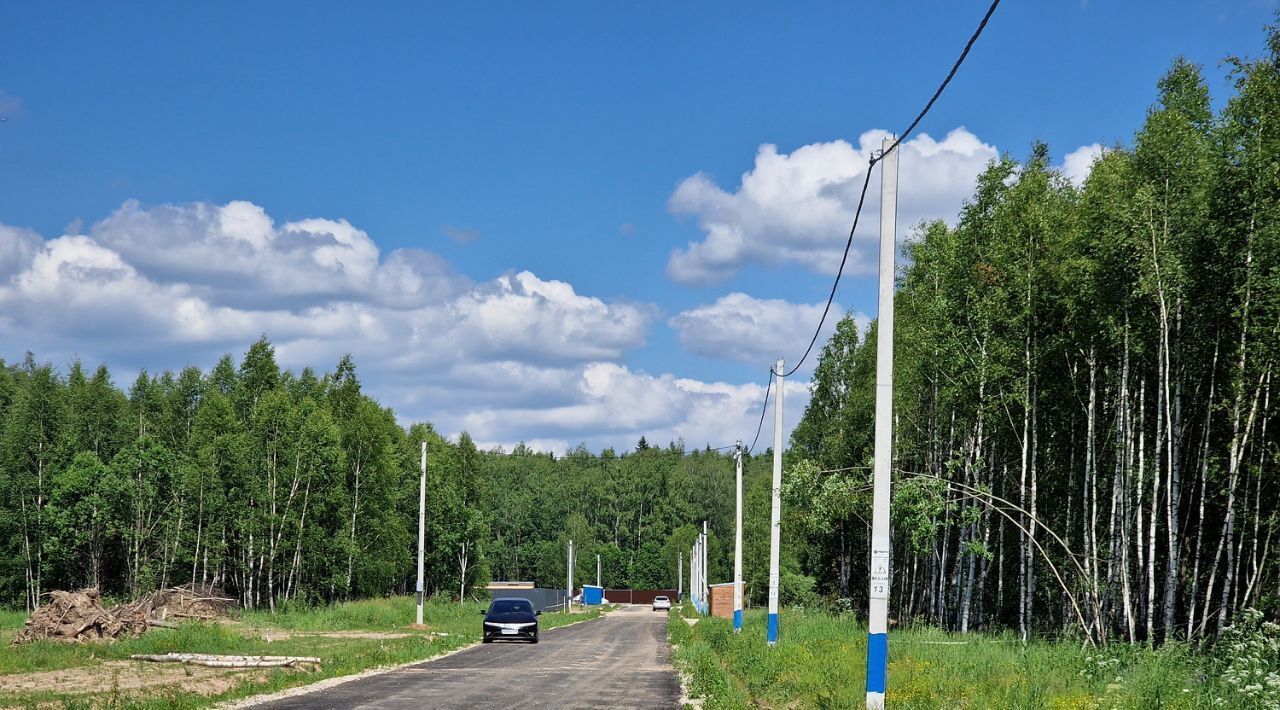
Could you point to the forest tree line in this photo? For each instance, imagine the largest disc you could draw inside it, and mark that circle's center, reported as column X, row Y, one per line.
column 283, row 487
column 1086, row 389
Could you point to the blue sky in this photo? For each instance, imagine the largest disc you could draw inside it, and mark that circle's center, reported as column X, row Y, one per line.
column 492, row 139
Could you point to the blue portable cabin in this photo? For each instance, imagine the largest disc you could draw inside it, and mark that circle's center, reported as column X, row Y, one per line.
column 592, row 595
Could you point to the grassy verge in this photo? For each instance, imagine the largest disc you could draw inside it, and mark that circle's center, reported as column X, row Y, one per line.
column 349, row 637
column 820, row 659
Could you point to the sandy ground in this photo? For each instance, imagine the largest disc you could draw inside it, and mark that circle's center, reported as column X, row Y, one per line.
column 126, row 676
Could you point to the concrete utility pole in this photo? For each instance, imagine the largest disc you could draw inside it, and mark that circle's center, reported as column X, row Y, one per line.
column 597, row 570
column 878, row 614
column 737, row 541
column 706, row 590
column 422, row 525
column 775, row 529
column 680, row 576
column 568, row 586
column 693, row 575
column 702, row 573
column 697, row 556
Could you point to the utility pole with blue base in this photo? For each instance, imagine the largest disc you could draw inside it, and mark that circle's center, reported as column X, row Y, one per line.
column 878, row 613
column 737, row 542
column 775, row 529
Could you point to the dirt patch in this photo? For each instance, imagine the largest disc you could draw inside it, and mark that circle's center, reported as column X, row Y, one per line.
column 126, row 676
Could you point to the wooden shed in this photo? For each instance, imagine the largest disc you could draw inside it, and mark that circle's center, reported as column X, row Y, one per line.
column 722, row 600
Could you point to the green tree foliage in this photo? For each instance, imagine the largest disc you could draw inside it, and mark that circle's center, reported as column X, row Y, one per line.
column 1084, row 389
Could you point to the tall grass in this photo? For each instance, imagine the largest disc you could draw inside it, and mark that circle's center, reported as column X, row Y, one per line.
column 820, row 662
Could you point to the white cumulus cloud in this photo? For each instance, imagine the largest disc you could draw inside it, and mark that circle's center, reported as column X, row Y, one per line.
column 797, row 208
column 753, row 330
column 1077, row 164
column 515, row 357
column 618, row 404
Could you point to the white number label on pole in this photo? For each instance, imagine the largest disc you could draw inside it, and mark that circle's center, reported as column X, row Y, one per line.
column 880, row 574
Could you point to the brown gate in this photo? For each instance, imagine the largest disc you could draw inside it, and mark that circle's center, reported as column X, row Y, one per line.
column 638, row 596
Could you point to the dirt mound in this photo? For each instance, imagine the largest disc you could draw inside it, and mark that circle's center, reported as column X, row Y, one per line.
column 79, row 617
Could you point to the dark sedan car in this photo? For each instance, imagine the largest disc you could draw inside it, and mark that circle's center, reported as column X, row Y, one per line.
column 512, row 619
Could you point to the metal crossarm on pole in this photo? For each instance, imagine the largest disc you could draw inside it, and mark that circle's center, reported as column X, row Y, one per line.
column 878, row 613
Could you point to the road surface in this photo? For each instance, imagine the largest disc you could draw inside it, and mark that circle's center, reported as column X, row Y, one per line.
column 618, row 661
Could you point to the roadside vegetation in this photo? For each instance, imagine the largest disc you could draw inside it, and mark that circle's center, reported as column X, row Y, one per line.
column 348, row 637
column 820, row 662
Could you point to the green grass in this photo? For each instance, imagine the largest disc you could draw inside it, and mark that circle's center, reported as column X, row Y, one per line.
column 341, row 656
column 820, row 661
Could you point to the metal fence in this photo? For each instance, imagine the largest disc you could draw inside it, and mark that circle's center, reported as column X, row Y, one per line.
column 541, row 598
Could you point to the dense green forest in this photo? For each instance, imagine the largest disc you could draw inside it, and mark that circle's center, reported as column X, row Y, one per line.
column 1086, row 409
column 1085, row 431
column 282, row 486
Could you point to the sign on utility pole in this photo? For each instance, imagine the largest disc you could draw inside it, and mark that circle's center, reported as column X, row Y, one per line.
column 737, row 541
column 878, row 614
column 775, row 528
column 422, row 524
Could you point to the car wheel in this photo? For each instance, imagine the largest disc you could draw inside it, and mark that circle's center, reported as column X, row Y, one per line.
column 486, row 640
column 533, row 640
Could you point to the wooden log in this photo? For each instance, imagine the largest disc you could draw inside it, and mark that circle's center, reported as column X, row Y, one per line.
column 220, row 661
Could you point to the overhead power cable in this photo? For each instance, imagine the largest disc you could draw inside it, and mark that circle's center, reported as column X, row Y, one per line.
column 763, row 408
column 875, row 158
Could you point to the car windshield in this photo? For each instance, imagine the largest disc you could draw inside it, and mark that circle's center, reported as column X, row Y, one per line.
column 510, row 606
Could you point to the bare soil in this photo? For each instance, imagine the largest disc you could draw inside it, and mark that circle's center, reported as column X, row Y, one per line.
column 127, row 676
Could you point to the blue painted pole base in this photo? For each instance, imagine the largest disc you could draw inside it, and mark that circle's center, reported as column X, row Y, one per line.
column 877, row 662
column 737, row 620
column 773, row 629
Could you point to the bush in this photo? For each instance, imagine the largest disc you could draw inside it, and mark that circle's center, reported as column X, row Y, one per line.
column 1248, row 660
column 797, row 590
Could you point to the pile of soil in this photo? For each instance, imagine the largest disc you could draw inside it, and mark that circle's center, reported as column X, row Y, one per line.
column 79, row 617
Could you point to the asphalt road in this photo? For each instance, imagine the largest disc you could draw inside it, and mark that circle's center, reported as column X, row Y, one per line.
column 618, row 661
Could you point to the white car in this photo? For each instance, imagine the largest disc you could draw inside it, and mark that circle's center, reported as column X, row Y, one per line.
column 662, row 603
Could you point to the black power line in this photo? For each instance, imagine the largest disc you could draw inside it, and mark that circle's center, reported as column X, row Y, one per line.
column 870, row 164
column 763, row 408
column 834, row 284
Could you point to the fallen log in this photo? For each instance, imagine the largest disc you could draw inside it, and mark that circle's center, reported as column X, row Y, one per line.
column 220, row 661
column 162, row 624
